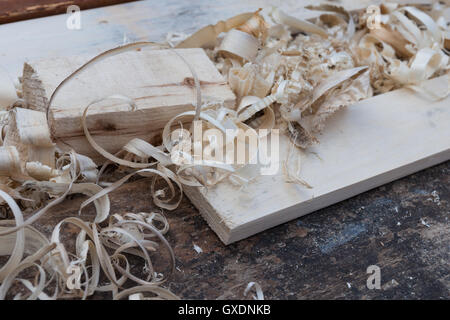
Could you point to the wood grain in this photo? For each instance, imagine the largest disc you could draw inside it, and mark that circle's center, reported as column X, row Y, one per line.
column 245, row 220
column 16, row 10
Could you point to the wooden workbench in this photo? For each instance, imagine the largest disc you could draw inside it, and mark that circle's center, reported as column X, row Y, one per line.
column 402, row 227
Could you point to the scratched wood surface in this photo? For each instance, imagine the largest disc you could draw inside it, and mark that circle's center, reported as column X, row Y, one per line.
column 15, row 10
column 402, row 227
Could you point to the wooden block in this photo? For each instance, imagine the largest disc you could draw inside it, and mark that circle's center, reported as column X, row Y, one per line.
column 145, row 20
column 158, row 80
column 363, row 146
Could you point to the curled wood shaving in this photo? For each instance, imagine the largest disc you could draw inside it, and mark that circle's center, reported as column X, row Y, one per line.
column 240, row 44
column 258, row 289
column 98, row 148
column 207, row 36
column 137, row 293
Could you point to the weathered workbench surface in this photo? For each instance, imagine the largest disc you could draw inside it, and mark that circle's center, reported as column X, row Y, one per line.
column 401, row 227
column 323, row 255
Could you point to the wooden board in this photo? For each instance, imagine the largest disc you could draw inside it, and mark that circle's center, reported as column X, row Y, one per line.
column 364, row 146
column 159, row 81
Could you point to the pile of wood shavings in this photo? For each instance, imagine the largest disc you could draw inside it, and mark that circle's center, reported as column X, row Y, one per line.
column 286, row 73
column 305, row 72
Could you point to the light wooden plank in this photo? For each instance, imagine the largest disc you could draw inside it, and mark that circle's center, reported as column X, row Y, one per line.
column 364, row 146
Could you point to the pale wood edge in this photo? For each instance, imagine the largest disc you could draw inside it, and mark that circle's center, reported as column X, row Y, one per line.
column 208, row 212
column 248, row 229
